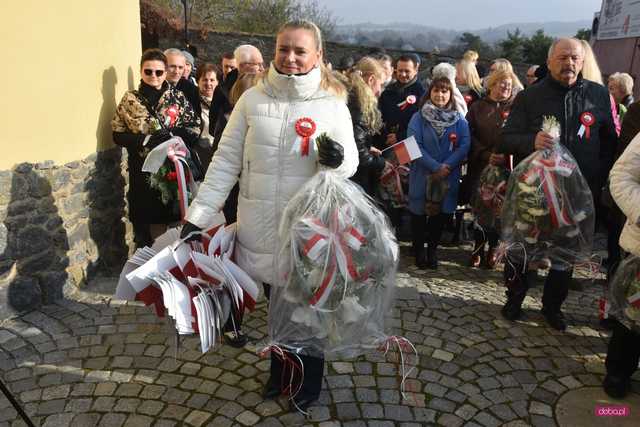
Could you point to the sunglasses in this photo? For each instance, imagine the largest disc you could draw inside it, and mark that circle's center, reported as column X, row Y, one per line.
column 148, row 72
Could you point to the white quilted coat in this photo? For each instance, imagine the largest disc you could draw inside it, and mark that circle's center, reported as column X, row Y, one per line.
column 625, row 190
column 257, row 147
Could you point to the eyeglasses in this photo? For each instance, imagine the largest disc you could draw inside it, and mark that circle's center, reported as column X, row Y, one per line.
column 149, row 73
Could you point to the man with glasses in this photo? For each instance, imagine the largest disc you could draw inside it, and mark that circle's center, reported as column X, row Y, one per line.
column 249, row 61
column 176, row 64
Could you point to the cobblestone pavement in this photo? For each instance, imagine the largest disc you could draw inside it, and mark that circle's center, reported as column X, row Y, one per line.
column 94, row 361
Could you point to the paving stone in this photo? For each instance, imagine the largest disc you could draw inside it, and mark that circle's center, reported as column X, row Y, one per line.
column 539, row 408
column 112, row 420
column 79, row 405
column 348, row 411
column 103, row 404
column 126, row 405
column 58, row 420
column 138, row 421
column 51, row 407
column 450, row 420
column 150, row 407
column 372, row 410
column 197, row 418
column 84, row 420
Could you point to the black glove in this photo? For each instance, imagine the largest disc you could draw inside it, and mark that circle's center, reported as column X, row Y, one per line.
column 158, row 138
column 330, row 153
column 189, row 228
column 188, row 137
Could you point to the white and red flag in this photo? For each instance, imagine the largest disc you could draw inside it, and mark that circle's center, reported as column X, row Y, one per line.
column 406, row 150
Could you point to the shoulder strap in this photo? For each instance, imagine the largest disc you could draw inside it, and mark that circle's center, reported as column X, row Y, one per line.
column 144, row 101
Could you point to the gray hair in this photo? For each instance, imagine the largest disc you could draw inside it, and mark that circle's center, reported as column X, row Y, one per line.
column 563, row 39
column 174, row 51
column 624, row 80
column 244, row 52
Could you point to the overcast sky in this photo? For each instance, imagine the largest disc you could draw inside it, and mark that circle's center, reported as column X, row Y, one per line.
column 461, row 14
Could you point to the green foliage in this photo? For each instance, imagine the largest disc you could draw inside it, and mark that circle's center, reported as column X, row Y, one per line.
column 583, row 34
column 472, row 41
column 537, row 47
column 252, row 16
column 513, row 46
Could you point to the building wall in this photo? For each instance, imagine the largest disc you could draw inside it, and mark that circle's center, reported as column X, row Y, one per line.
column 67, row 63
column 62, row 181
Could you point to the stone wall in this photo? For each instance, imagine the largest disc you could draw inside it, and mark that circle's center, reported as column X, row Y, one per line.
column 60, row 226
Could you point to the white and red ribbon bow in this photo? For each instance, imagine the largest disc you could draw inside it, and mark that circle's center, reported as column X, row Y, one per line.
column 410, row 100
column 331, row 245
column 177, row 153
column 634, row 300
column 453, row 141
column 546, row 171
column 305, row 128
column 587, row 120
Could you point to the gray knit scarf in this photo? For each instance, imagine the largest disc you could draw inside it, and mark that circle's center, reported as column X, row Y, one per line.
column 440, row 119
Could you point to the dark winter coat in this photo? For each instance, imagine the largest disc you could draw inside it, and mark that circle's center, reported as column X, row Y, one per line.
column 392, row 114
column 486, row 118
column 370, row 166
column 192, row 94
column 550, row 98
column 131, row 124
column 221, row 107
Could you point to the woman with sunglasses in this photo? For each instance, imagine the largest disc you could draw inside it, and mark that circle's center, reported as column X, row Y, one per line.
column 144, row 119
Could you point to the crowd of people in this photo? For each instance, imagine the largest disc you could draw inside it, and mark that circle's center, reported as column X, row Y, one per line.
column 245, row 123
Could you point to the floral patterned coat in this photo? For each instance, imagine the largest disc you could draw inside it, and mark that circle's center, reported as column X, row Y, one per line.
column 131, row 124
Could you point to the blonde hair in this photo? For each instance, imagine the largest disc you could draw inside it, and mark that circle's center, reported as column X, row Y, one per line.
column 244, row 82
column 467, row 70
column 497, row 76
column 503, row 64
column 590, row 68
column 364, row 96
column 329, row 82
column 471, row 55
column 624, row 81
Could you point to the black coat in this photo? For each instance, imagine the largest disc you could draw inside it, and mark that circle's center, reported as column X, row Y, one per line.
column 220, row 107
column 549, row 98
column 370, row 167
column 392, row 115
column 192, row 94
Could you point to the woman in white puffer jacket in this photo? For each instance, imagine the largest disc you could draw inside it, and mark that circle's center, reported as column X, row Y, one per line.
column 261, row 145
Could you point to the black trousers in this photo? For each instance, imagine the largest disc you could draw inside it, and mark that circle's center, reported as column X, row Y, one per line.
column 432, row 227
column 311, row 382
column 490, row 235
column 623, row 353
column 556, row 286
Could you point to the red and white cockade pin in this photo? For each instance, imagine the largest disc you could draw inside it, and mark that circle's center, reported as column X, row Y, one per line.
column 453, row 141
column 587, row 120
column 505, row 114
column 305, row 128
column 468, row 99
column 171, row 115
column 411, row 99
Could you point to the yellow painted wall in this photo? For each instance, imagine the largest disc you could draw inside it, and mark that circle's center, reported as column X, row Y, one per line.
column 65, row 66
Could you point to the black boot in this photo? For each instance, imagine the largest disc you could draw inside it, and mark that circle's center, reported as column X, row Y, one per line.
column 432, row 257
column 517, row 284
column 421, row 259
column 556, row 289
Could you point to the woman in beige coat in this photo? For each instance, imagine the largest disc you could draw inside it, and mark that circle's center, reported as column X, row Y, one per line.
column 623, row 353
